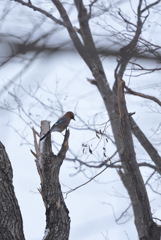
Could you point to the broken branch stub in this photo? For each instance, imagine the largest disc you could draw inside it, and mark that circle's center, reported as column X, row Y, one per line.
column 48, row 165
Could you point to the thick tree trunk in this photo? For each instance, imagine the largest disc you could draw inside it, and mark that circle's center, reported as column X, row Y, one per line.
column 11, row 227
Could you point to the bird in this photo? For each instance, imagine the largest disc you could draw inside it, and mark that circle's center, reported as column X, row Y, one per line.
column 61, row 124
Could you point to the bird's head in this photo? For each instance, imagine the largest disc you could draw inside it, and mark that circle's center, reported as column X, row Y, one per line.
column 70, row 115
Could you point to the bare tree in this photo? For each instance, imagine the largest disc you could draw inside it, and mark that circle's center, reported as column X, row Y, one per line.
column 122, row 123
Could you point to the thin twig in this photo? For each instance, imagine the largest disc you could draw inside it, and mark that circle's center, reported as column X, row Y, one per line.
column 83, row 184
column 106, row 166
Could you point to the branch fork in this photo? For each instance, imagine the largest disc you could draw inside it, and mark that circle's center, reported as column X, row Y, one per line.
column 48, row 166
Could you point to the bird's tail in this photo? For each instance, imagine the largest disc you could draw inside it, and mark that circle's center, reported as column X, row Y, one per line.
column 45, row 135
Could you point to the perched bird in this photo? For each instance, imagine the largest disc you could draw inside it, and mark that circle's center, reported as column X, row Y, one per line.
column 61, row 124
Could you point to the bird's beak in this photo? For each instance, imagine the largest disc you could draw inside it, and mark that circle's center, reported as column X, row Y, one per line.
column 73, row 118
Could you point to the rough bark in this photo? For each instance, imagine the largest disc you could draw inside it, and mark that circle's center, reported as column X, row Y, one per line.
column 11, row 226
column 150, row 230
column 48, row 165
column 131, row 173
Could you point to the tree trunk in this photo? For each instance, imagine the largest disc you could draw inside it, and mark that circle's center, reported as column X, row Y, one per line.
column 11, row 227
column 48, row 165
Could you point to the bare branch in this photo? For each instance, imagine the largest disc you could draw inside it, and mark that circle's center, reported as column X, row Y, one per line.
column 90, row 7
column 106, row 162
column 64, row 147
column 150, row 6
column 40, row 10
column 152, row 152
column 126, row 20
column 154, row 99
column 92, row 178
column 127, row 52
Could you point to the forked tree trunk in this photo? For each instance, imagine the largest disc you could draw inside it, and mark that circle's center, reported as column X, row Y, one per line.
column 48, row 165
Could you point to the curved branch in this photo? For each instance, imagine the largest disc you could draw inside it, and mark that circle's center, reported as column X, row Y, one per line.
column 154, row 99
column 40, row 10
